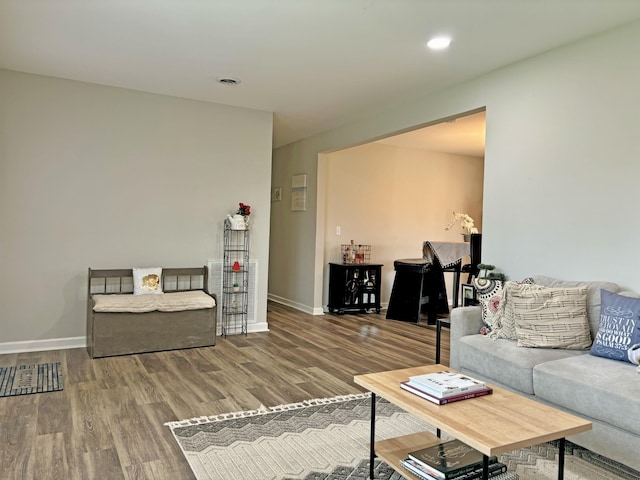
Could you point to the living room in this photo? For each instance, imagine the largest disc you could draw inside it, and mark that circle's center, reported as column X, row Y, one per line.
column 106, row 177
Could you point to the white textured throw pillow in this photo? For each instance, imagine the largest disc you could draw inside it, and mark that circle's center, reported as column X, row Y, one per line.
column 552, row 318
column 147, row 280
column 503, row 321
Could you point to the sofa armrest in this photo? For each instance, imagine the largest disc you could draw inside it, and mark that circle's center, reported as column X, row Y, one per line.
column 464, row 321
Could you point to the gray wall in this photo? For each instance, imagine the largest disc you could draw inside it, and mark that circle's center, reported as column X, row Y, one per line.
column 101, row 177
column 561, row 167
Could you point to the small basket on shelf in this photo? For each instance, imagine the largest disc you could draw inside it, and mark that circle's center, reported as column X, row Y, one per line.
column 355, row 254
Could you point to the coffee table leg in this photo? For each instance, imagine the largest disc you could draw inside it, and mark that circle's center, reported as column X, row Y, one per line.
column 372, row 449
column 438, row 333
column 561, row 459
column 485, row 467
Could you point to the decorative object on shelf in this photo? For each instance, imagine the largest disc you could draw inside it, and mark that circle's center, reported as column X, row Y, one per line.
column 236, row 266
column 469, row 297
column 240, row 221
column 237, row 222
column 485, row 271
column 466, row 222
column 352, row 253
column 235, row 288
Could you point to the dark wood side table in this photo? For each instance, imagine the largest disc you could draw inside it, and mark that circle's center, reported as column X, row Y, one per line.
column 354, row 287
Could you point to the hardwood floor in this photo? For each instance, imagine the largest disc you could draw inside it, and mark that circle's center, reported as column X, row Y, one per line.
column 107, row 423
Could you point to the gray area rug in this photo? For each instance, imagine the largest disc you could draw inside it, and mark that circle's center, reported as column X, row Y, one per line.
column 26, row 379
column 326, row 439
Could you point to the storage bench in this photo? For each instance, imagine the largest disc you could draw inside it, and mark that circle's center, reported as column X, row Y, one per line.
column 121, row 323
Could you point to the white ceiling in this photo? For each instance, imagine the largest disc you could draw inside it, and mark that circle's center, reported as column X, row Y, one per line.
column 316, row 64
column 462, row 136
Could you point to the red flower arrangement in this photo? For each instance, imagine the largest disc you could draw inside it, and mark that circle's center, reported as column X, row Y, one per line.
column 244, row 209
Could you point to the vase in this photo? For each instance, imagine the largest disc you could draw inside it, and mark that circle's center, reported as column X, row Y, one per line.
column 237, row 222
column 466, row 237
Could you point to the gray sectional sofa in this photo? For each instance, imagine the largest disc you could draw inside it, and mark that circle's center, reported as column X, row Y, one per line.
column 604, row 391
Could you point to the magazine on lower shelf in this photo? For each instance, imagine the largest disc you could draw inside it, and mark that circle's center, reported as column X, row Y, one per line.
column 442, row 401
column 418, row 470
column 449, row 459
column 445, row 383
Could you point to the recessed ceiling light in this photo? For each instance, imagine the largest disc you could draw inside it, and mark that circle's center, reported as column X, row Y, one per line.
column 229, row 81
column 439, row 43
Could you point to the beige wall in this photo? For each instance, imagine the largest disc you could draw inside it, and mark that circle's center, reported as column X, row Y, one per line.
column 93, row 176
column 561, row 169
column 394, row 199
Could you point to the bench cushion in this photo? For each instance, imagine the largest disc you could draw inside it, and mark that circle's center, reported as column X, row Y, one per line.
column 166, row 302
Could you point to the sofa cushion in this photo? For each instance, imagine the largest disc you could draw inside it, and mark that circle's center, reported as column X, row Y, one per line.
column 593, row 295
column 600, row 388
column 618, row 336
column 552, row 318
column 503, row 362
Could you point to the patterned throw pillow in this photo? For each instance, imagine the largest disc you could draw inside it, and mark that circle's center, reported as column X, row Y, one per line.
column 147, row 280
column 489, row 294
column 552, row 318
column 618, row 334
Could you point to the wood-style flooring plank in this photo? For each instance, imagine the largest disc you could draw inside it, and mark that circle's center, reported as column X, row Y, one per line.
column 49, row 459
column 108, row 422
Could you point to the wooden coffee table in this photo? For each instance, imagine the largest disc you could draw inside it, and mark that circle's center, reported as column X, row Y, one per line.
column 493, row 424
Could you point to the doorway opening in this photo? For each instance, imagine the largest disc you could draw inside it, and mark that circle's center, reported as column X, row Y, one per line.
column 396, row 192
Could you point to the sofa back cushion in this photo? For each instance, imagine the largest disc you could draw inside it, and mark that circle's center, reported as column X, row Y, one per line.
column 593, row 295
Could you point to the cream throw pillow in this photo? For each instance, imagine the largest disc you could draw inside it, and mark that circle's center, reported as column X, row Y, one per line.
column 552, row 318
column 147, row 280
column 503, row 321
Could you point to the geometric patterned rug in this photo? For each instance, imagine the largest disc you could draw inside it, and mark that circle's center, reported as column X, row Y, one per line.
column 26, row 379
column 326, row 439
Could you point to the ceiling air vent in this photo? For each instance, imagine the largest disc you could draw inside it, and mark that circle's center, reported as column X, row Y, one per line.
column 229, row 81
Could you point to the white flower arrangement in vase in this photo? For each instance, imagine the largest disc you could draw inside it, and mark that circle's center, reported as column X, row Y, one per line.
column 465, row 220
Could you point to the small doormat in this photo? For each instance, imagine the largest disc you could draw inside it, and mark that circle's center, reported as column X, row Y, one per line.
column 26, row 379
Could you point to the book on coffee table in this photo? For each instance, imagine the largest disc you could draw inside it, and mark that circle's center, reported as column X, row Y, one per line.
column 445, row 384
column 419, row 471
column 442, row 401
column 450, row 459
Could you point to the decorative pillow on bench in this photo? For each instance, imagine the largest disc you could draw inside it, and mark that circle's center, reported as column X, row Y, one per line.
column 147, row 280
column 618, row 334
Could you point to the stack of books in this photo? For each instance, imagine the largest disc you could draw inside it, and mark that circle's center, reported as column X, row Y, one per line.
column 452, row 460
column 445, row 387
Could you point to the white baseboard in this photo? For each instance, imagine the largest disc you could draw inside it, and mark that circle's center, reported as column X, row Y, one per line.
column 251, row 328
column 296, row 305
column 43, row 345
column 258, row 327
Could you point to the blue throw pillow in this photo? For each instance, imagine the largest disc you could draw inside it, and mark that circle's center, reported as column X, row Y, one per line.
column 618, row 335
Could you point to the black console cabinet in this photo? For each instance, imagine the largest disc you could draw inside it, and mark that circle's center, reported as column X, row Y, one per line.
column 354, row 287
